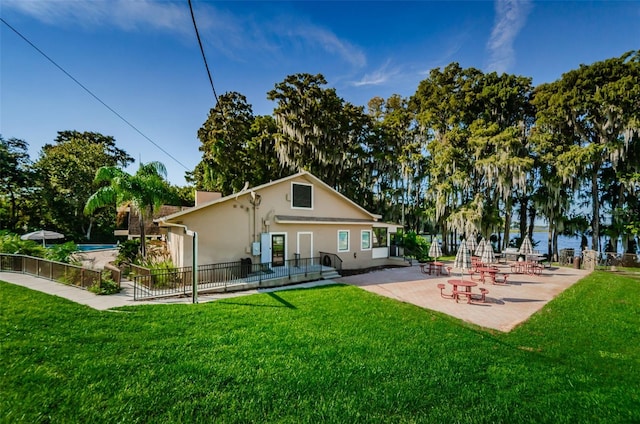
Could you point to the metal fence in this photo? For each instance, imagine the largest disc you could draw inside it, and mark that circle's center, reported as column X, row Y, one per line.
column 222, row 276
column 56, row 271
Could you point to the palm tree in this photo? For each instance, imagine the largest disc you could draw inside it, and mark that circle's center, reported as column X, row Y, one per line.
column 146, row 191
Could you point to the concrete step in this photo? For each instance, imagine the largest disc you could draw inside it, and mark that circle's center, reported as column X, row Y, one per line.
column 330, row 275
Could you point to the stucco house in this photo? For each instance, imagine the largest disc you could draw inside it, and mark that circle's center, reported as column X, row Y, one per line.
column 293, row 218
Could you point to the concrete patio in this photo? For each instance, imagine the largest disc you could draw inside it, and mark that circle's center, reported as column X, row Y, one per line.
column 506, row 305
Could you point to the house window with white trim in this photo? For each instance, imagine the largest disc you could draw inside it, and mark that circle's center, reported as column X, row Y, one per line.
column 301, row 196
column 365, row 240
column 343, row 240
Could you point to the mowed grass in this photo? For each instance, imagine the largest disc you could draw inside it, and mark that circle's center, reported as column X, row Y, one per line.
column 330, row 354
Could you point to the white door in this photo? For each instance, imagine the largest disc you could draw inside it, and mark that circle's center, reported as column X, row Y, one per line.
column 265, row 248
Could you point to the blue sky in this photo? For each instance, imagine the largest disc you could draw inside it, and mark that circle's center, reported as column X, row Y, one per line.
column 142, row 59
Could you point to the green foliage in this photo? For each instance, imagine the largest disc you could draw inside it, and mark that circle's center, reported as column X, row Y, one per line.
column 415, row 246
column 331, row 354
column 146, row 191
column 62, row 253
column 237, row 147
column 16, row 184
column 321, row 133
column 106, row 287
column 66, row 170
column 11, row 243
column 128, row 252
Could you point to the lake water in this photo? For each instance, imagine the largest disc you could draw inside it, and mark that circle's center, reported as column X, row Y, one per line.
column 564, row 242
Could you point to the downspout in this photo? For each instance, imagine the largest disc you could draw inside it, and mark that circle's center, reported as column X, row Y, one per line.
column 194, row 258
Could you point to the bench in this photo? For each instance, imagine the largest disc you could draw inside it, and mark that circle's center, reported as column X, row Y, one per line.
column 458, row 293
column 446, row 296
column 483, row 294
column 495, row 280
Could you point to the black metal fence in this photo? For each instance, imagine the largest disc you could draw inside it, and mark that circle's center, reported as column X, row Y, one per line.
column 179, row 281
column 56, row 271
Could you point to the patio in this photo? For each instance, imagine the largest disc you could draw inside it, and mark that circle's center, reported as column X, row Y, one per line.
column 506, row 305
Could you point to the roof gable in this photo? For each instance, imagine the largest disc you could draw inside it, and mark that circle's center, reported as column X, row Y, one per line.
column 315, row 180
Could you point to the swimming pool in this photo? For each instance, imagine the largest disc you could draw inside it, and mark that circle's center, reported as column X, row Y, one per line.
column 91, row 247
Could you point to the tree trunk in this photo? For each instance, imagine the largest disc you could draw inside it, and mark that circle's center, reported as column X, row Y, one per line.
column 507, row 229
column 143, row 237
column 522, row 225
column 595, row 219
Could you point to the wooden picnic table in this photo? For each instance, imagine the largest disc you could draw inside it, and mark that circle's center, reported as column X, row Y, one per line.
column 438, row 267
column 466, row 284
column 492, row 271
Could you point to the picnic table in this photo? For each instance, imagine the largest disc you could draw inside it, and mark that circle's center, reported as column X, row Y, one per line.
column 487, row 270
column 526, row 267
column 465, row 290
column 437, row 267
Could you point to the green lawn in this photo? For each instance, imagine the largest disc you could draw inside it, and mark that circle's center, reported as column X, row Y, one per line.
column 330, row 354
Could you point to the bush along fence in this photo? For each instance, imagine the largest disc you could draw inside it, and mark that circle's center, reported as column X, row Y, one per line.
column 55, row 271
column 229, row 276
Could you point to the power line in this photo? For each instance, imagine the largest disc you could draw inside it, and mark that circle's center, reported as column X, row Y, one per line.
column 204, row 58
column 93, row 95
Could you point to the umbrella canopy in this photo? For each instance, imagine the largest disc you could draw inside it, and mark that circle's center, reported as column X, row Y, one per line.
column 42, row 235
column 487, row 255
column 480, row 248
column 434, row 250
column 463, row 258
column 472, row 243
column 526, row 248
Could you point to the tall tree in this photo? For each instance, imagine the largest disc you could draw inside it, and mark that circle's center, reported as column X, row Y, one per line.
column 146, row 191
column 321, row 133
column 16, row 182
column 446, row 105
column 236, row 147
column 601, row 104
column 66, row 170
column 499, row 140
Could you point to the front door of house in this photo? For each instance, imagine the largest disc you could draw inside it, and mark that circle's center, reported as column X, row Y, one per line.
column 277, row 249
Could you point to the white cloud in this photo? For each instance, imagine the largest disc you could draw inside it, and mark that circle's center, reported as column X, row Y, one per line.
column 232, row 34
column 123, row 14
column 330, row 43
column 379, row 76
column 511, row 16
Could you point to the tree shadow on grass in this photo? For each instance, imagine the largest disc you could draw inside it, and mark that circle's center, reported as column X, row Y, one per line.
column 282, row 303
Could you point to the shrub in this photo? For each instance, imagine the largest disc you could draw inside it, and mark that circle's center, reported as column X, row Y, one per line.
column 105, row 287
column 416, row 246
column 13, row 244
column 62, row 253
column 128, row 252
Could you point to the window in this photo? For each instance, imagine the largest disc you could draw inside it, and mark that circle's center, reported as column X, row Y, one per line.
column 379, row 237
column 365, row 240
column 301, row 196
column 343, row 240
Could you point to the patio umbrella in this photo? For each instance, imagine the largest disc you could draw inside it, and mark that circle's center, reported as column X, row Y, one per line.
column 434, row 250
column 487, row 255
column 526, row 248
column 472, row 243
column 480, row 248
column 463, row 258
column 42, row 235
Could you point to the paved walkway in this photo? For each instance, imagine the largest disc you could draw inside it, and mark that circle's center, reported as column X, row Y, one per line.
column 125, row 297
column 506, row 306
